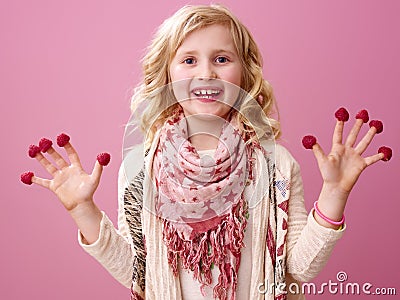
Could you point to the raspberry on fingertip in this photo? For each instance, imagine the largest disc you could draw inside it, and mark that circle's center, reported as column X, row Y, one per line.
column 309, row 141
column 33, row 151
column 377, row 124
column 27, row 177
column 387, row 152
column 342, row 114
column 363, row 115
column 62, row 139
column 45, row 144
column 103, row 158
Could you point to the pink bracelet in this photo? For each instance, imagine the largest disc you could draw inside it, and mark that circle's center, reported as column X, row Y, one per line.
column 330, row 221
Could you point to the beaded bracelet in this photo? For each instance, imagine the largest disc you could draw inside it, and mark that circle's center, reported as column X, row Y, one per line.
column 330, row 221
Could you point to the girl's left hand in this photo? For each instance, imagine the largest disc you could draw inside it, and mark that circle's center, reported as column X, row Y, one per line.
column 341, row 168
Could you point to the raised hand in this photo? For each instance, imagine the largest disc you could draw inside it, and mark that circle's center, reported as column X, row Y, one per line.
column 70, row 183
column 341, row 168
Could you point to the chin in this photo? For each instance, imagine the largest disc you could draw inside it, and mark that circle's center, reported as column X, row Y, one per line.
column 206, row 111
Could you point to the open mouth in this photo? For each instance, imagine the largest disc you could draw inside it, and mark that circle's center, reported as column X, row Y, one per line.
column 207, row 93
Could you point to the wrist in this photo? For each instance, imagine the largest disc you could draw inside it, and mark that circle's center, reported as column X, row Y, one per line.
column 335, row 191
column 85, row 210
column 332, row 199
column 324, row 220
column 331, row 204
column 87, row 217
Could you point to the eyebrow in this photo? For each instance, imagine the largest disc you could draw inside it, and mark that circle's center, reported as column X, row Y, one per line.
column 193, row 52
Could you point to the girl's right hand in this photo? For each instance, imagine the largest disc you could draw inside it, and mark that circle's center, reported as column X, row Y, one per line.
column 71, row 184
column 74, row 187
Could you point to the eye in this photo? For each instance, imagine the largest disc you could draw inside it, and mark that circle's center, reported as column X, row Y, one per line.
column 221, row 59
column 189, row 61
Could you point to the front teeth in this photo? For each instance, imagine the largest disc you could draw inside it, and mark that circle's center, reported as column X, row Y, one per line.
column 206, row 93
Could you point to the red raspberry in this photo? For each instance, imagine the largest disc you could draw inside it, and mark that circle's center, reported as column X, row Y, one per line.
column 309, row 141
column 33, row 150
column 363, row 114
column 377, row 124
column 387, row 152
column 342, row 114
column 27, row 177
column 62, row 139
column 103, row 158
column 45, row 144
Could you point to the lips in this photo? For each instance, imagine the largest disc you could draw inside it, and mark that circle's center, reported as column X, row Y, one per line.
column 207, row 93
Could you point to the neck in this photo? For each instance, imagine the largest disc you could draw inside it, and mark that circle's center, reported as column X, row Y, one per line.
column 204, row 132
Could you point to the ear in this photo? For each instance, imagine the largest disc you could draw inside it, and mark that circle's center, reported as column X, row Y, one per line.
column 260, row 99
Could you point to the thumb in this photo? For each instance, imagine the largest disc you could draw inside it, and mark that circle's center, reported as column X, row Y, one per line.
column 102, row 160
column 310, row 142
column 318, row 153
column 97, row 171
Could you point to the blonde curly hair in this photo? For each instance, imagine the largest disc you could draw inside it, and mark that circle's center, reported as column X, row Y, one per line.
column 159, row 100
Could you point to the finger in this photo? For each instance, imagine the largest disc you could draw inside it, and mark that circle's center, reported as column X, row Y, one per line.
column 338, row 132
column 58, row 159
column 366, row 140
column 352, row 137
column 374, row 158
column 97, row 171
column 41, row 181
column 72, row 154
column 46, row 163
column 318, row 153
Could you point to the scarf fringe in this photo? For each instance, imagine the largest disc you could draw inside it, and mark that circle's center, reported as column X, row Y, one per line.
column 210, row 248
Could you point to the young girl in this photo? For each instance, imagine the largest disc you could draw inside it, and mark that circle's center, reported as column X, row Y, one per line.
column 209, row 206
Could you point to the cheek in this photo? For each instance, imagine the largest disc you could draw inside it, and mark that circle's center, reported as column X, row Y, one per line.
column 232, row 89
column 178, row 73
column 180, row 86
column 233, row 75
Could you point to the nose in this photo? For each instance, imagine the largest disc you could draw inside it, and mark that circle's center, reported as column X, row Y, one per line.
column 206, row 71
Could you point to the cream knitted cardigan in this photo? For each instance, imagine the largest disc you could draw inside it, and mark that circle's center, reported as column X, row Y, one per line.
column 308, row 244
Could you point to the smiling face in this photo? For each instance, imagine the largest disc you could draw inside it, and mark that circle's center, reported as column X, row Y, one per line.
column 206, row 72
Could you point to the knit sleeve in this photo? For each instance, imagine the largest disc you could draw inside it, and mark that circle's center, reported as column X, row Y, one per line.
column 112, row 251
column 113, row 248
column 309, row 244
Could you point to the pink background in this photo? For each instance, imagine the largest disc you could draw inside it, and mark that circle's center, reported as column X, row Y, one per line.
column 71, row 65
